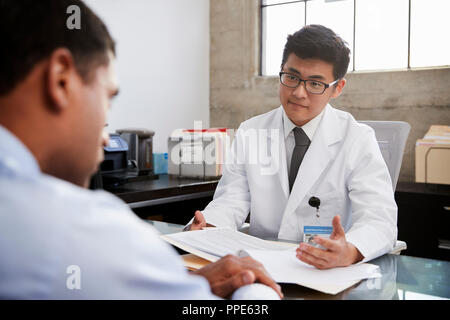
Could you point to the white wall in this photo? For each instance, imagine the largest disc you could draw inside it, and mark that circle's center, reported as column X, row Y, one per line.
column 158, row 40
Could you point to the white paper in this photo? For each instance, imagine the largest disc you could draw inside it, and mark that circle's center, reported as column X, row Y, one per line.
column 278, row 258
column 284, row 266
column 221, row 241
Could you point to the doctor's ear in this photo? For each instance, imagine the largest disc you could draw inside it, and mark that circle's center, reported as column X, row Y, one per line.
column 338, row 88
column 61, row 73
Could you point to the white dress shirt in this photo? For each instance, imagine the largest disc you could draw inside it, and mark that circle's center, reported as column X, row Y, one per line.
column 309, row 128
column 59, row 241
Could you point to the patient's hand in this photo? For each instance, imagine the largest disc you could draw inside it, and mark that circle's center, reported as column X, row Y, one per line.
column 231, row 272
column 199, row 222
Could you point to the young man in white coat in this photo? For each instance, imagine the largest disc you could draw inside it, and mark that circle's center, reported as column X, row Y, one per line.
column 315, row 152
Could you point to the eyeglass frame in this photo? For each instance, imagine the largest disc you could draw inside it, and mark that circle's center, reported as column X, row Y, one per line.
column 326, row 85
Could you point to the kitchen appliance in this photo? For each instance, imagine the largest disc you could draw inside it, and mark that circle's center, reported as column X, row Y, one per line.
column 127, row 158
column 140, row 148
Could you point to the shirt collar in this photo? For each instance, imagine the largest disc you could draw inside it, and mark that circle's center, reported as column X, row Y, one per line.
column 15, row 156
column 309, row 128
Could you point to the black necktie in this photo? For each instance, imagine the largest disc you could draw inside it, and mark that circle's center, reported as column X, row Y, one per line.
column 301, row 145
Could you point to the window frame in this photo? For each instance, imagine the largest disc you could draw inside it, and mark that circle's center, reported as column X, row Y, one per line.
column 261, row 29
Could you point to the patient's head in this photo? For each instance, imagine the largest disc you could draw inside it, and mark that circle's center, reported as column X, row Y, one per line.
column 56, row 83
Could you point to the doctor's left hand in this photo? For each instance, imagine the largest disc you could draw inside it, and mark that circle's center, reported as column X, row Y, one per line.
column 338, row 252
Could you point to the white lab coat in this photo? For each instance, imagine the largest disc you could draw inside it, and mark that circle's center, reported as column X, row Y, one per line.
column 343, row 167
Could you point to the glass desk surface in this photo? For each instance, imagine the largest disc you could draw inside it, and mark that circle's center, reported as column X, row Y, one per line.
column 403, row 278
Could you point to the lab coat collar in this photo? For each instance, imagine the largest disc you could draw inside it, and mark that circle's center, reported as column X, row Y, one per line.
column 328, row 132
column 309, row 128
column 279, row 154
column 316, row 158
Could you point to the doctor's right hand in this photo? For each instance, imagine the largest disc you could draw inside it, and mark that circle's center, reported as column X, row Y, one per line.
column 199, row 222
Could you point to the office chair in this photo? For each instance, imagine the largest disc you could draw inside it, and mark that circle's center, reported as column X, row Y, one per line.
column 391, row 137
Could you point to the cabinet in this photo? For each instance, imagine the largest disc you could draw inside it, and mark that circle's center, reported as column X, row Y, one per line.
column 424, row 219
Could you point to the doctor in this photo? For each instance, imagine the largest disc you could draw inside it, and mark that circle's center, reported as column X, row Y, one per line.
column 313, row 150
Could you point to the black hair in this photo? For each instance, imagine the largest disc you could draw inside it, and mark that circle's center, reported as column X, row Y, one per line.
column 319, row 42
column 30, row 30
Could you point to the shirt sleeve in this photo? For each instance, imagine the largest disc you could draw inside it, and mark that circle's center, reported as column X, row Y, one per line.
column 122, row 257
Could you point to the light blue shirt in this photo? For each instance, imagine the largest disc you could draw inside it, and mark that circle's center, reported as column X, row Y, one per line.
column 59, row 241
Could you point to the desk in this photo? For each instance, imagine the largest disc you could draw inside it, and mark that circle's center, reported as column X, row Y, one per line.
column 166, row 189
column 404, row 278
column 427, row 205
column 169, row 198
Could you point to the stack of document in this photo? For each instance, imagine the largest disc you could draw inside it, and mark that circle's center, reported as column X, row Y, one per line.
column 279, row 258
column 199, row 153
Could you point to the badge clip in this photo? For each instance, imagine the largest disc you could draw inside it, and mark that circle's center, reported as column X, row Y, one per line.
column 315, row 203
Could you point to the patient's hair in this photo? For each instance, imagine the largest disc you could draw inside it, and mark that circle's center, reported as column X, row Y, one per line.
column 30, row 30
column 318, row 42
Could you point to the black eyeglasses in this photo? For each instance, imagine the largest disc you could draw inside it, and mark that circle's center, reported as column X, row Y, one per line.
column 312, row 86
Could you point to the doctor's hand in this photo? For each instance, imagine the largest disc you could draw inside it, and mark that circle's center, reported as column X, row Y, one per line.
column 199, row 222
column 230, row 273
column 338, row 252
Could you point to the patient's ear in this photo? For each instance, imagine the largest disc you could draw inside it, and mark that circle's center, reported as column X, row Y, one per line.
column 60, row 77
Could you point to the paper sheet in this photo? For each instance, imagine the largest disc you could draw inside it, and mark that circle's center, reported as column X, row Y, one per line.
column 285, row 267
column 278, row 258
column 214, row 243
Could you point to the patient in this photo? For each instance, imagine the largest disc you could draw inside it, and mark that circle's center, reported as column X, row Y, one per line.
column 59, row 240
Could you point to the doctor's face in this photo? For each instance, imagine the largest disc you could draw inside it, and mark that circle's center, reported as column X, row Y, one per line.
column 300, row 105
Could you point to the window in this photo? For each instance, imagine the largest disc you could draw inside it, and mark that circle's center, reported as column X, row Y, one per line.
column 430, row 25
column 382, row 34
column 338, row 16
column 279, row 21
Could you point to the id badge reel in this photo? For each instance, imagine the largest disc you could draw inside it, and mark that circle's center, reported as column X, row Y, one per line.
column 309, row 232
